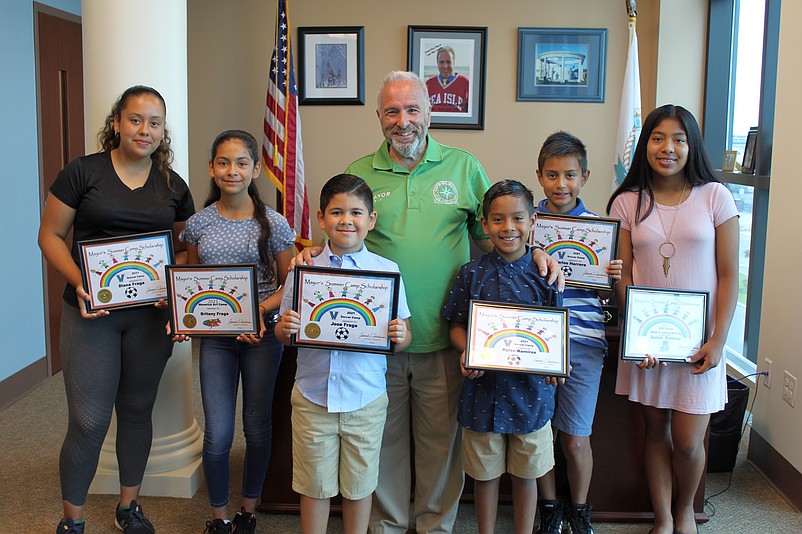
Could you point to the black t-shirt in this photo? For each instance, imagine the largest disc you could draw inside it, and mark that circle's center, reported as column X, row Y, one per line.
column 106, row 207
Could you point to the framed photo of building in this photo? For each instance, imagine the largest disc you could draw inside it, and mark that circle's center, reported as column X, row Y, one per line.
column 331, row 65
column 561, row 64
column 451, row 61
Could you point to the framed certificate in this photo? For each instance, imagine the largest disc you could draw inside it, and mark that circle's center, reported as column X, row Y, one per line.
column 122, row 272
column 213, row 300
column 583, row 246
column 668, row 324
column 345, row 309
column 507, row 337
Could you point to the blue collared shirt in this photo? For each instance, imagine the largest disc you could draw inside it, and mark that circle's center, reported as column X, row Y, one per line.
column 503, row 402
column 339, row 380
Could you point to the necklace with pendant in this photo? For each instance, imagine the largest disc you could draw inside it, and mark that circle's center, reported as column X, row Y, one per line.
column 667, row 248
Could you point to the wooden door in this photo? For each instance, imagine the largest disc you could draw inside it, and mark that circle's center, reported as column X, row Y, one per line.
column 59, row 64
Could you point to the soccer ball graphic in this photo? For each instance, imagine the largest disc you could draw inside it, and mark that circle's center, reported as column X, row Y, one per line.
column 567, row 270
column 130, row 292
column 341, row 333
column 514, row 359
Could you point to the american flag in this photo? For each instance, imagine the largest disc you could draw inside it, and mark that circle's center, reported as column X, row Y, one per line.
column 282, row 148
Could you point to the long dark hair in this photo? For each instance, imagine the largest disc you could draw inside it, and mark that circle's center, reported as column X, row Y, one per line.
column 259, row 208
column 108, row 140
column 698, row 169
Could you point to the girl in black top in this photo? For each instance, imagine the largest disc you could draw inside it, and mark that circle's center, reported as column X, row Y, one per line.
column 113, row 360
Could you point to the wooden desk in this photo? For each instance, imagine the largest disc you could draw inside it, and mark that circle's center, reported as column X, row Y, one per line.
column 618, row 490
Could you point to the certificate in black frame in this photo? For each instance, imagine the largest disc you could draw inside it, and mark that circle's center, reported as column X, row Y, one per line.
column 583, row 246
column 668, row 324
column 213, row 300
column 125, row 271
column 517, row 337
column 345, row 309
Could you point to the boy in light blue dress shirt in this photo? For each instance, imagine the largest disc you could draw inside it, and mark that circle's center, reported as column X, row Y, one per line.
column 339, row 401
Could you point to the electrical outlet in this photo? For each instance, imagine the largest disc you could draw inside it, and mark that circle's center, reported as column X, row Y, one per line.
column 767, row 368
column 789, row 388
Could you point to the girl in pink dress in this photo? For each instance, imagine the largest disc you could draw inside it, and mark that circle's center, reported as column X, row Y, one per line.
column 679, row 229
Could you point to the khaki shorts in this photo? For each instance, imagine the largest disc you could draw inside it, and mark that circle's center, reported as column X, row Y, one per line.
column 486, row 455
column 336, row 452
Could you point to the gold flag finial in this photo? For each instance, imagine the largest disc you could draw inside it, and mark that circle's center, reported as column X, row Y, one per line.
column 632, row 9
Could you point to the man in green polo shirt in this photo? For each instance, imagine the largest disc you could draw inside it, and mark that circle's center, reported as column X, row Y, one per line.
column 428, row 198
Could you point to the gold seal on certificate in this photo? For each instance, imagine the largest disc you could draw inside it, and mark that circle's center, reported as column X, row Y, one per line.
column 345, row 309
column 517, row 337
column 122, row 272
column 213, row 300
column 312, row 331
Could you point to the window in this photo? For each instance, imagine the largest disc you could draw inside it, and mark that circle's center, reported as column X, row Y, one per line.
column 742, row 53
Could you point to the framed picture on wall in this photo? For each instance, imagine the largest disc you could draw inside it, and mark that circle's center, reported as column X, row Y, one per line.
column 451, row 60
column 331, row 65
column 561, row 64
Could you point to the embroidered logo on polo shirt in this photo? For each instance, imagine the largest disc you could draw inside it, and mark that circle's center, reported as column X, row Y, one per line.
column 445, row 192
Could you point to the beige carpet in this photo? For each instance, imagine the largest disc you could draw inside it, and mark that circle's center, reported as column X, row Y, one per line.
column 32, row 429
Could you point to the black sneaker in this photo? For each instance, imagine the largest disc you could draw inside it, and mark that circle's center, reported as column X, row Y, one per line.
column 243, row 523
column 132, row 520
column 551, row 517
column 218, row 526
column 579, row 519
column 67, row 526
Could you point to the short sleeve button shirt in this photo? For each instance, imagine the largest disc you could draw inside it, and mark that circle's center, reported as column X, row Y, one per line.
column 501, row 401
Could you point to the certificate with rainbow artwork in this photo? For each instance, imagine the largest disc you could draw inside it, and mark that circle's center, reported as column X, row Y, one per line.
column 668, row 324
column 517, row 337
column 583, row 246
column 122, row 272
column 345, row 309
column 213, row 300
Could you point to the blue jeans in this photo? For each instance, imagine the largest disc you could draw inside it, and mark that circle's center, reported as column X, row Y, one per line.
column 223, row 362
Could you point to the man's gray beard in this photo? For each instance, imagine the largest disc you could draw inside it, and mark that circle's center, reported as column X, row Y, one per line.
column 407, row 151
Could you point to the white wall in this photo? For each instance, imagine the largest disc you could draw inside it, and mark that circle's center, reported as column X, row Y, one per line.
column 22, row 327
column 774, row 420
column 681, row 52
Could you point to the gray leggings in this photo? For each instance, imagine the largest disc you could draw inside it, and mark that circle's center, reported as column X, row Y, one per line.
column 110, row 362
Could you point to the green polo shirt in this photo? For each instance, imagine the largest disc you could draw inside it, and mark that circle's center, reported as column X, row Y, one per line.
column 425, row 220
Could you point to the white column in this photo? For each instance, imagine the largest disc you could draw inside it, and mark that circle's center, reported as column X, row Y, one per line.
column 145, row 43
